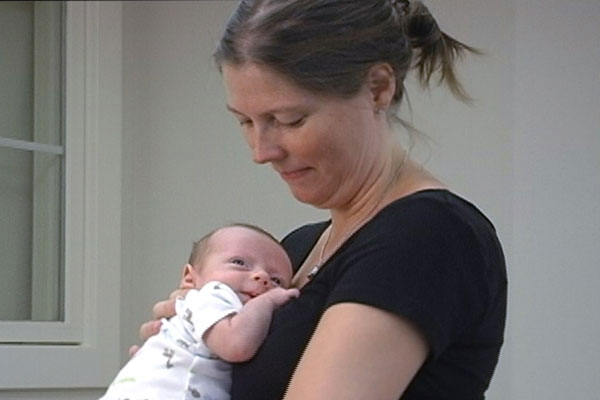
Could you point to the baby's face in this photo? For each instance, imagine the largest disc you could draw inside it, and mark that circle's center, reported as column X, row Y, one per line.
column 246, row 260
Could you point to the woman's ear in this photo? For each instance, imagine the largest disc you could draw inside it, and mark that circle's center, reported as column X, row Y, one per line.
column 188, row 277
column 381, row 80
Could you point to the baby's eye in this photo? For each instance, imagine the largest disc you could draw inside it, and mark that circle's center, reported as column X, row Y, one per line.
column 238, row 261
column 276, row 281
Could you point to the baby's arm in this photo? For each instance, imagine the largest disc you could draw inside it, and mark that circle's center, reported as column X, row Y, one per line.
column 237, row 337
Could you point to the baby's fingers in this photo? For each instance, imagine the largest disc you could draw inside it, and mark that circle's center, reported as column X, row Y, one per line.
column 281, row 296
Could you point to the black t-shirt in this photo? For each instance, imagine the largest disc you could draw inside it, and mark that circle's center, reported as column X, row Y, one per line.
column 430, row 257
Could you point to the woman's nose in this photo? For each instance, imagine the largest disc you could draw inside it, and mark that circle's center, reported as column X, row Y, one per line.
column 265, row 148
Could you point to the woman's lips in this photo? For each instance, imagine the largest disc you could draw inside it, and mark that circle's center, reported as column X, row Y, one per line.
column 295, row 174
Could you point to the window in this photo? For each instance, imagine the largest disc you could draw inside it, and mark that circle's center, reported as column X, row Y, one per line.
column 66, row 173
column 32, row 153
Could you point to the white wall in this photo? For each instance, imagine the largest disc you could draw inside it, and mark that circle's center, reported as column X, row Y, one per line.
column 527, row 152
column 555, row 324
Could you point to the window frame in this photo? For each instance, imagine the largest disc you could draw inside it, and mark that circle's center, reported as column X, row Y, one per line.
column 83, row 350
column 48, row 170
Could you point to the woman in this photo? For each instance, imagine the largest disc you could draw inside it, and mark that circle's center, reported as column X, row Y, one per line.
column 403, row 290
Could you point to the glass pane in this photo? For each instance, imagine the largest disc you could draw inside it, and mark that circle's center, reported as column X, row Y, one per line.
column 16, row 69
column 15, row 234
column 31, row 188
column 30, row 236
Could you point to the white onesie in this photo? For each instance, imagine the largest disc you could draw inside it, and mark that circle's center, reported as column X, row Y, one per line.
column 176, row 364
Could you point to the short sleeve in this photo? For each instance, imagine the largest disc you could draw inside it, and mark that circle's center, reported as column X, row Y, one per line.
column 423, row 263
column 202, row 308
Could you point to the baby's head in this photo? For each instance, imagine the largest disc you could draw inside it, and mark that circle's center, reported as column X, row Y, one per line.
column 243, row 256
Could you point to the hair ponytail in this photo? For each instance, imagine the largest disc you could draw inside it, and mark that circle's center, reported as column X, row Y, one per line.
column 434, row 50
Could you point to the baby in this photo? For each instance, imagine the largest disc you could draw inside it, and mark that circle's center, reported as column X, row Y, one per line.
column 240, row 274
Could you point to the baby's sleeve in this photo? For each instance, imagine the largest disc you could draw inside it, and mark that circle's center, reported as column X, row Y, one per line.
column 203, row 308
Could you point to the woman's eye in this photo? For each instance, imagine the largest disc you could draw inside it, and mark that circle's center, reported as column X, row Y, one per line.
column 295, row 123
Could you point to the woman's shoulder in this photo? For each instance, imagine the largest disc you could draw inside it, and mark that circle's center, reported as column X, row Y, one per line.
column 436, row 206
column 438, row 218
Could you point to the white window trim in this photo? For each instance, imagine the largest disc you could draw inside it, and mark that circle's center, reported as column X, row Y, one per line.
column 88, row 353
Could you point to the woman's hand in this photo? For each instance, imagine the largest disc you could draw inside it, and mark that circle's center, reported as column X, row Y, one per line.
column 162, row 309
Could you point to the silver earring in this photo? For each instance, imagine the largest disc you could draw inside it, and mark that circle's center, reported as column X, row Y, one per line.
column 379, row 111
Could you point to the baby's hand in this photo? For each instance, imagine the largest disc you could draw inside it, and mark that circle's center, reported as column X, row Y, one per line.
column 280, row 296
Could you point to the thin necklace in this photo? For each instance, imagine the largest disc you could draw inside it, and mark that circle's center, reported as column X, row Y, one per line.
column 357, row 225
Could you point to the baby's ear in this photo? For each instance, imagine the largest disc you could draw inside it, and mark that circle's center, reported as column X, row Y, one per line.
column 188, row 277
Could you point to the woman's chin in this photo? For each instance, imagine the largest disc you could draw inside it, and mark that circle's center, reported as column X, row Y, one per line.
column 307, row 197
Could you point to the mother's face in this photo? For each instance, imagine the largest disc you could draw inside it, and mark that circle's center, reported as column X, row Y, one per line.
column 323, row 147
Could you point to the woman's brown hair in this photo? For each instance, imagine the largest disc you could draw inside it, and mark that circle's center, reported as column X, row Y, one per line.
column 327, row 46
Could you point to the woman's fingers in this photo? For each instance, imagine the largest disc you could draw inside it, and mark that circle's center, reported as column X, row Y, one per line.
column 181, row 292
column 164, row 309
column 148, row 329
column 133, row 349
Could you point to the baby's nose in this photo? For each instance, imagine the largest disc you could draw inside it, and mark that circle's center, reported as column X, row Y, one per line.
column 262, row 280
column 262, row 277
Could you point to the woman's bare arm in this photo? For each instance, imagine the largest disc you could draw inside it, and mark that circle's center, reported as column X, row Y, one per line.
column 358, row 352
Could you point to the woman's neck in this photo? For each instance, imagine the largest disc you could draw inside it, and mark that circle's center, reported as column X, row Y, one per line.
column 376, row 194
column 391, row 184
